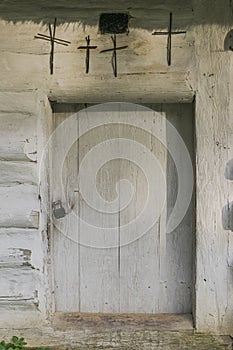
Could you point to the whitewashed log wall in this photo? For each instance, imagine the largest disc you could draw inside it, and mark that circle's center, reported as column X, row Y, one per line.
column 22, row 221
column 199, row 67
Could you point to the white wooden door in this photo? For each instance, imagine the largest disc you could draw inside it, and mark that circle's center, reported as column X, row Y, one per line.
column 118, row 184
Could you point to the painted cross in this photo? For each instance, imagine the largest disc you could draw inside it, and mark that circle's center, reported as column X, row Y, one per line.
column 114, row 55
column 169, row 38
column 53, row 40
column 87, row 48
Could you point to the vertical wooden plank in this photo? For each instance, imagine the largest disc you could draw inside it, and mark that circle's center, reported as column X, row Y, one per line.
column 180, row 242
column 141, row 259
column 122, row 269
column 65, row 231
column 99, row 277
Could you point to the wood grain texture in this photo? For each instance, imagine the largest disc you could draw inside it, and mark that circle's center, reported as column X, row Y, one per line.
column 18, row 283
column 22, row 259
column 166, row 86
column 200, row 67
column 13, row 173
column 64, row 247
column 19, row 206
column 18, row 241
column 23, row 102
column 121, row 338
column 143, row 259
column 137, row 65
column 18, row 136
column 99, row 274
column 214, row 145
column 15, row 257
column 121, row 277
column 181, row 242
column 131, row 322
column 19, row 296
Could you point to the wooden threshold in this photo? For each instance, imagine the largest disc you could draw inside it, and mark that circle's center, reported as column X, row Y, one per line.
column 87, row 321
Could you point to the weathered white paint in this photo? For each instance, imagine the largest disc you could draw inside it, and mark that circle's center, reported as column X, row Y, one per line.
column 214, row 150
column 199, row 66
column 18, row 283
column 18, row 240
column 64, row 250
column 19, row 296
column 143, row 262
column 26, row 102
column 22, row 259
column 19, row 206
column 100, row 263
column 121, row 332
column 180, row 245
column 18, row 136
column 126, row 277
column 228, row 174
column 143, row 61
column 15, row 257
column 13, row 173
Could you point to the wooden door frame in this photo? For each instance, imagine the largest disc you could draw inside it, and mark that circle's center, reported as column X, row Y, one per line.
column 184, row 321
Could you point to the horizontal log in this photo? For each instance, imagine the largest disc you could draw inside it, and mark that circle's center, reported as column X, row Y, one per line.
column 136, row 88
column 145, row 52
column 15, row 257
column 24, row 102
column 18, row 173
column 18, row 136
column 141, row 88
column 19, row 283
column 22, row 314
column 12, row 302
column 21, row 242
column 19, row 206
column 11, row 236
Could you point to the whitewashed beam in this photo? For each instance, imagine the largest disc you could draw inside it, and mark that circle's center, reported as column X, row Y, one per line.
column 142, row 67
column 155, row 88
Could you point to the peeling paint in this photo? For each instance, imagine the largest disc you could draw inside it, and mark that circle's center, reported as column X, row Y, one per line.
column 198, row 70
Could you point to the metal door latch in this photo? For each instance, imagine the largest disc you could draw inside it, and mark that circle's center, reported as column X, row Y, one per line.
column 58, row 210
